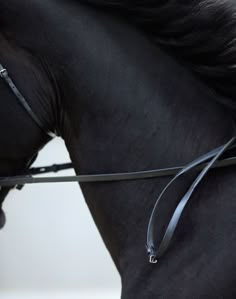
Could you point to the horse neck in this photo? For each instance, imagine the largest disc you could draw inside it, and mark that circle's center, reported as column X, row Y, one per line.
column 120, row 140
column 137, row 118
column 127, row 106
column 124, row 108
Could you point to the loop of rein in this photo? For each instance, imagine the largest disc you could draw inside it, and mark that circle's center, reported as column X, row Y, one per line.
column 155, row 253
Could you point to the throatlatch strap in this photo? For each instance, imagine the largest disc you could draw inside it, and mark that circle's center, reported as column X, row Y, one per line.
column 22, row 100
column 154, row 252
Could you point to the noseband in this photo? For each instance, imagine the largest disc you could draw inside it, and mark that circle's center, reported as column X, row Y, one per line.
column 203, row 164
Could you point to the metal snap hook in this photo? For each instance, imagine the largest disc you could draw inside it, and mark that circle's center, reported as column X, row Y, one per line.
column 152, row 259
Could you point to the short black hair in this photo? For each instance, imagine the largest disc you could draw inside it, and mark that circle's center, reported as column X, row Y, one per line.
column 199, row 33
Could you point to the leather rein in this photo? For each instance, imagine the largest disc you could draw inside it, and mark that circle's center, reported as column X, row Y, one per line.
column 203, row 164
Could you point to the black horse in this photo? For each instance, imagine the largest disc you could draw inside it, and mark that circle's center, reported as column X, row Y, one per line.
column 132, row 86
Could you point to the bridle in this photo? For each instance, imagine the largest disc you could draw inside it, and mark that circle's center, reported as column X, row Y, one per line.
column 4, row 75
column 203, row 164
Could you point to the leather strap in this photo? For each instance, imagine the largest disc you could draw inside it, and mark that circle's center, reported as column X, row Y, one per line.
column 4, row 75
column 203, row 164
column 47, row 169
column 154, row 252
column 93, row 178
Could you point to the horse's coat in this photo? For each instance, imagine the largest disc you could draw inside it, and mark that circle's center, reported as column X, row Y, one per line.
column 121, row 103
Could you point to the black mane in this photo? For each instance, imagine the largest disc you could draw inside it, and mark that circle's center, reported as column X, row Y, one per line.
column 200, row 33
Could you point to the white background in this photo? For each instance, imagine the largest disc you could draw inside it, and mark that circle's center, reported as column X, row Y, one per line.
column 50, row 247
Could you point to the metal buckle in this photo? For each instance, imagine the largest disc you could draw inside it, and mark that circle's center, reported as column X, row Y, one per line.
column 3, row 73
column 152, row 259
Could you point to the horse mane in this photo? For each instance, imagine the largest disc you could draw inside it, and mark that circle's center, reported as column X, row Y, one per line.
column 199, row 33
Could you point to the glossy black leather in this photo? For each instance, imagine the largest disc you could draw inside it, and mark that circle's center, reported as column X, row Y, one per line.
column 156, row 252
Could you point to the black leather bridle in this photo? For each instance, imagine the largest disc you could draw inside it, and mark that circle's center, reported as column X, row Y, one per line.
column 203, row 164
